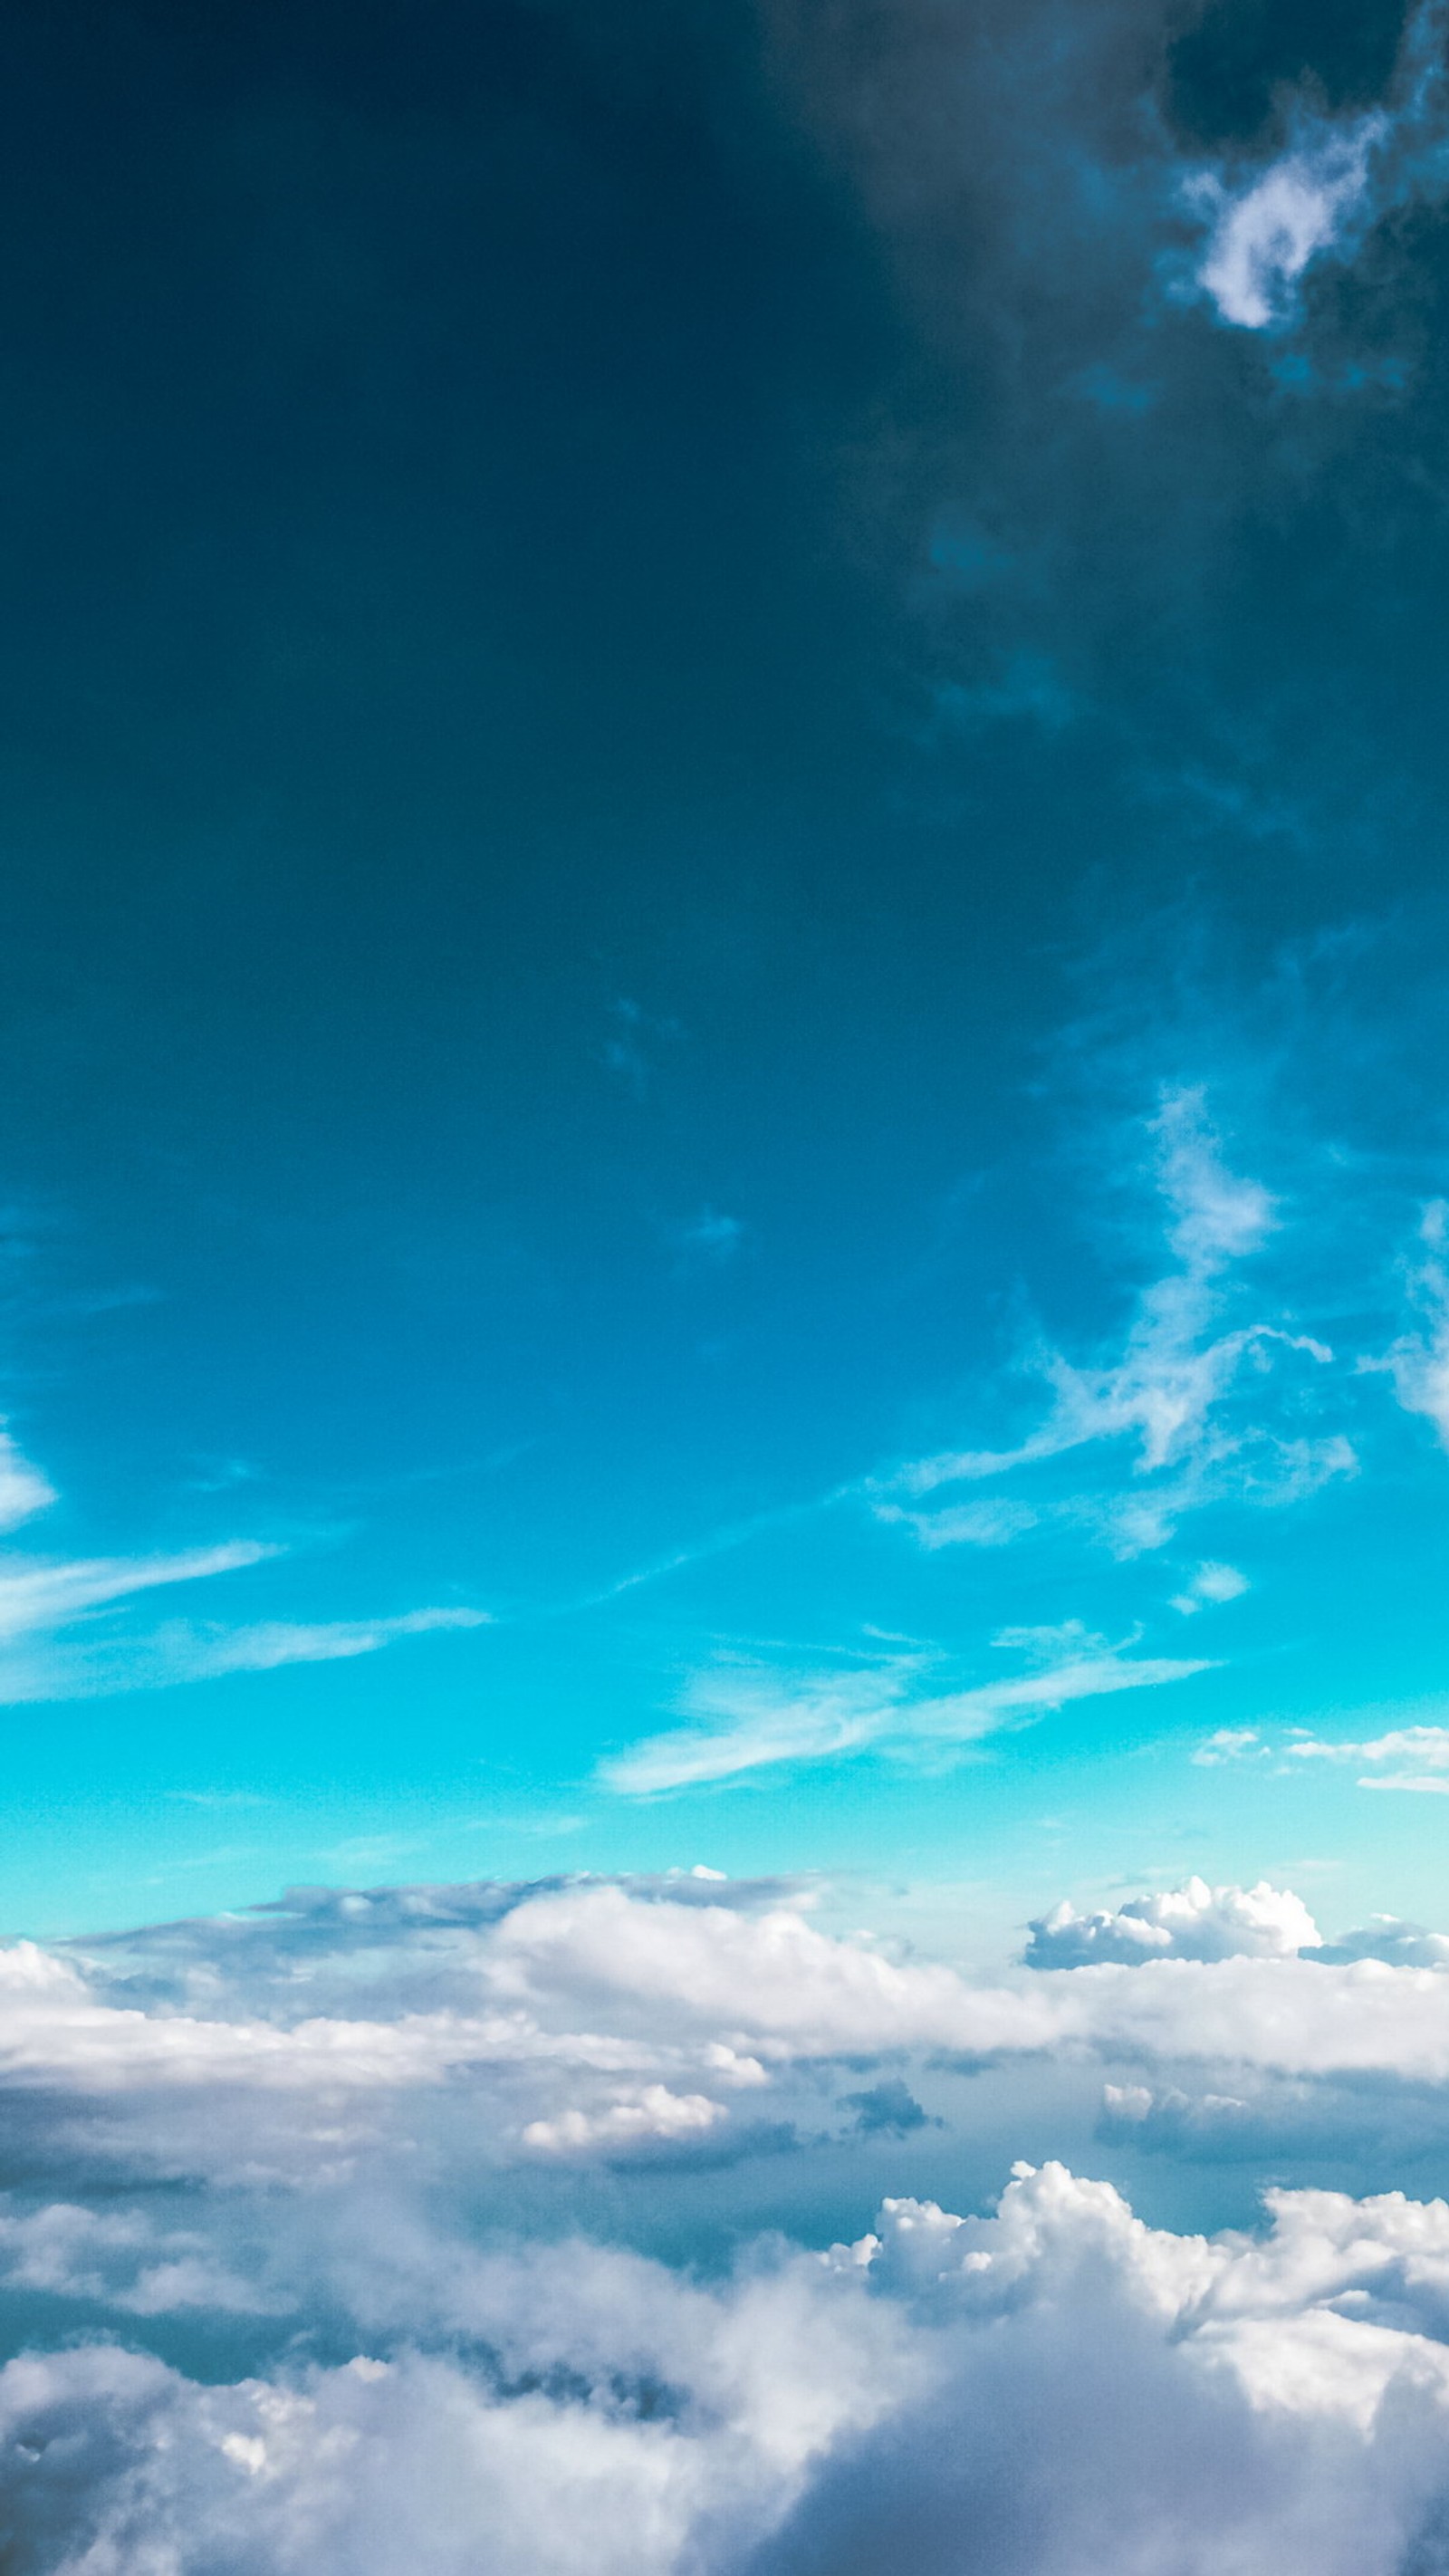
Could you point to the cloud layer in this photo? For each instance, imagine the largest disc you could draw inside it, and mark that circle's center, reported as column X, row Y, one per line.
column 313, row 2141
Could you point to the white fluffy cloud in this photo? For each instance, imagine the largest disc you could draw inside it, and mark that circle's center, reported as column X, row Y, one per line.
column 596, row 2022
column 1191, row 1922
column 355, row 2143
column 1054, row 2390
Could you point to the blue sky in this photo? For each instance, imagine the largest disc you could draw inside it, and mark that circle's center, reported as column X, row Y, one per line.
column 724, row 1237
column 725, row 800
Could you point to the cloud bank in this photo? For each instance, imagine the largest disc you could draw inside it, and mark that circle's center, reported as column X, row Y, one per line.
column 292, row 2133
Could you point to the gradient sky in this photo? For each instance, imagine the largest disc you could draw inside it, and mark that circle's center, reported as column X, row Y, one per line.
column 725, row 802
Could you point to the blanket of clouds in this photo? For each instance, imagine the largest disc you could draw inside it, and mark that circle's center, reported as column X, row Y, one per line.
column 392, row 2229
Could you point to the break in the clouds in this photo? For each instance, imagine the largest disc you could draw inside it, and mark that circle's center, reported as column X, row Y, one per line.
column 286, row 2308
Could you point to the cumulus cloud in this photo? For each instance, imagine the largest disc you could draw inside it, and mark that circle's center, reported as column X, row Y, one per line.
column 1051, row 2389
column 1389, row 1937
column 580, row 1996
column 1191, row 1922
column 652, row 2117
column 1228, row 1744
column 293, row 2135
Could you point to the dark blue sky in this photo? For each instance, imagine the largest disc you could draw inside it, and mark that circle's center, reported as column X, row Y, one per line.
column 663, row 671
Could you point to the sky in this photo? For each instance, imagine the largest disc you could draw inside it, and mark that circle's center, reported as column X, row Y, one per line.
column 724, row 1483
column 722, row 1003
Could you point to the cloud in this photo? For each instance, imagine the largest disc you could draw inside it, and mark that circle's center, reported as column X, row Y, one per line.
column 119, row 2259
column 181, row 1651
column 354, row 2144
column 23, row 1489
column 1262, row 240
column 40, row 1597
column 582, row 2018
column 993, row 1524
column 710, row 1239
column 1388, row 1937
column 1322, row 195
column 781, row 1717
column 653, row 2117
column 1418, row 1362
column 1169, row 1390
column 197, row 1654
column 888, row 2109
column 1049, row 2390
column 1210, row 1584
column 308, row 2167
column 1415, row 1757
column 1228, row 1744
column 1191, row 1922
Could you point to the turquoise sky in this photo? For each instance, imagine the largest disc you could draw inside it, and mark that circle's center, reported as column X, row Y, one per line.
column 723, row 1004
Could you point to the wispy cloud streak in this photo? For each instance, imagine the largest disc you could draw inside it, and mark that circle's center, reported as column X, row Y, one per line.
column 1170, row 1383
column 773, row 1717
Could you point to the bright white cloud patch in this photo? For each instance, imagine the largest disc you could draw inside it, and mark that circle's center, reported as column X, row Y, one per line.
column 1191, row 1922
column 1263, row 238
